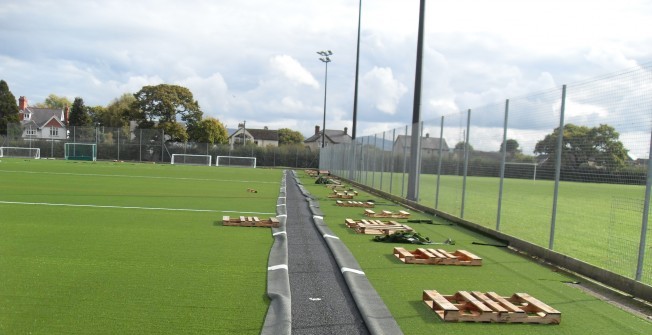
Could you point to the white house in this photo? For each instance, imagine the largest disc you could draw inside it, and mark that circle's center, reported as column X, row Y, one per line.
column 42, row 123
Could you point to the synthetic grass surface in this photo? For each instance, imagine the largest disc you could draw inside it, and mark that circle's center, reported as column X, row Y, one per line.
column 401, row 285
column 597, row 223
column 152, row 258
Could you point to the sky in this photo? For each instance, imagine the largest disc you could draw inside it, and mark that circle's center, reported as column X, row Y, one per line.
column 256, row 61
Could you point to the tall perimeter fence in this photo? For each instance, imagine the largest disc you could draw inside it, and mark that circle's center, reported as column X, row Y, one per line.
column 580, row 195
column 149, row 145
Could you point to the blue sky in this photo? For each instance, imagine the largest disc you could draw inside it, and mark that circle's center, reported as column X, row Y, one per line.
column 256, row 60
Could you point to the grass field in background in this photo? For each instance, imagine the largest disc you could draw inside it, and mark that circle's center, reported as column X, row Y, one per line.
column 401, row 285
column 597, row 223
column 122, row 248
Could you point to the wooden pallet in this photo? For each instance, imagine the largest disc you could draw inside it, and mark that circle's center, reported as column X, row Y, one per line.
column 351, row 203
column 437, row 257
column 250, row 221
column 476, row 306
column 376, row 227
column 342, row 195
column 387, row 214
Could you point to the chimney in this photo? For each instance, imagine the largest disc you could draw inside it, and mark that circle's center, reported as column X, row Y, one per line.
column 66, row 112
column 316, row 130
column 427, row 135
column 22, row 103
column 346, row 130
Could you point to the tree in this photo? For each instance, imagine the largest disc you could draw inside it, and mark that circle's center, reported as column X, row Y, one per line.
column 78, row 114
column 584, row 145
column 175, row 130
column 166, row 103
column 54, row 101
column 209, row 130
column 460, row 146
column 120, row 111
column 289, row 136
column 512, row 148
column 96, row 113
column 8, row 107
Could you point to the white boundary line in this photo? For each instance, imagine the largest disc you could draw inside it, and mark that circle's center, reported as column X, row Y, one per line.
column 146, row 177
column 129, row 207
column 345, row 269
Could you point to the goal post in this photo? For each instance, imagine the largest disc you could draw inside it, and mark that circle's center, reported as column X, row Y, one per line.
column 80, row 151
column 20, row 152
column 191, row 159
column 235, row 161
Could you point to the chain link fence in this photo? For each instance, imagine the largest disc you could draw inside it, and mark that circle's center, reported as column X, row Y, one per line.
column 585, row 194
column 149, row 145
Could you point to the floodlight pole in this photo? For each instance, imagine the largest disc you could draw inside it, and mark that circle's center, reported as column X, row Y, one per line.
column 357, row 71
column 326, row 59
column 415, row 148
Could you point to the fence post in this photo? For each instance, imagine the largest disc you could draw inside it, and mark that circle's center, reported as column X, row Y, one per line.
column 560, row 142
column 466, row 160
column 441, row 153
column 502, row 167
column 140, row 146
column 391, row 163
column 646, row 211
column 382, row 163
column 373, row 172
column 404, row 162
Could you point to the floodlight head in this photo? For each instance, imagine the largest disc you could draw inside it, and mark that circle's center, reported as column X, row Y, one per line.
column 325, row 59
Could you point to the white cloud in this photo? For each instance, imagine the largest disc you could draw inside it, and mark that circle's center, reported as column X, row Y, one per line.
column 382, row 90
column 292, row 69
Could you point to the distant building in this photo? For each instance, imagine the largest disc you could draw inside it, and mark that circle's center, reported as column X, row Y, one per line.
column 42, row 123
column 331, row 137
column 260, row 137
column 429, row 145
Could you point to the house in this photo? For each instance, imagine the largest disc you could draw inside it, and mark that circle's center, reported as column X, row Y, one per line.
column 260, row 137
column 42, row 123
column 429, row 145
column 330, row 137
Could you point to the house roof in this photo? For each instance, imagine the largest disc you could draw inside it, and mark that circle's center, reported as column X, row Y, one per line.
column 258, row 134
column 41, row 116
column 427, row 143
column 264, row 134
column 335, row 136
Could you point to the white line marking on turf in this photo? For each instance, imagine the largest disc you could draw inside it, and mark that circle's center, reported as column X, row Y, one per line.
column 352, row 270
column 129, row 207
column 331, row 236
column 278, row 267
column 318, row 217
column 280, row 233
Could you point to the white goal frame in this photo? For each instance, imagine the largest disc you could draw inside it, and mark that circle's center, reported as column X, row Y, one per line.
column 209, row 159
column 71, row 154
column 6, row 152
column 534, row 176
column 251, row 159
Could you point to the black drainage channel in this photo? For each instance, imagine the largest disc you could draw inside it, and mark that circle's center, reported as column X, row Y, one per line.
column 315, row 284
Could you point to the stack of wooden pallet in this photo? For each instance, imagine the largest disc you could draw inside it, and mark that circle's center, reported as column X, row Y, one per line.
column 250, row 221
column 352, row 203
column 475, row 306
column 376, row 227
column 343, row 195
column 387, row 214
column 437, row 257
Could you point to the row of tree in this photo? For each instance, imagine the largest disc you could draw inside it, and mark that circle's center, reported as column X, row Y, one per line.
column 170, row 108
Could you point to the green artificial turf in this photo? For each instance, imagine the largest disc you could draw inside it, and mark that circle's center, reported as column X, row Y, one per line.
column 146, row 252
column 596, row 223
column 401, row 285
